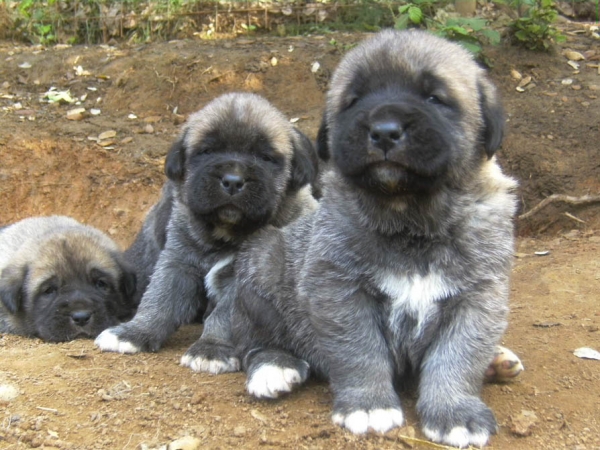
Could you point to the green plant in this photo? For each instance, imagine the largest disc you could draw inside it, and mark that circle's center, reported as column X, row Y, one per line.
column 534, row 28
column 470, row 32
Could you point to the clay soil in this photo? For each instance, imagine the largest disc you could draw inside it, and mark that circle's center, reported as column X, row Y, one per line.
column 71, row 396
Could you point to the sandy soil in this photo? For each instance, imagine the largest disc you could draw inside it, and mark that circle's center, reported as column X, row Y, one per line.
column 71, row 396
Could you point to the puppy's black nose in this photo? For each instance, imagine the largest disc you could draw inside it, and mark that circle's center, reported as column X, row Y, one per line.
column 81, row 317
column 385, row 134
column 232, row 183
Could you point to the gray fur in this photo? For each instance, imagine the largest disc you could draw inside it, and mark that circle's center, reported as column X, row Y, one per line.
column 198, row 224
column 402, row 273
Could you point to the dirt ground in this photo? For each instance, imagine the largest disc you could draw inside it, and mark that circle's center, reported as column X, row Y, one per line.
column 71, row 396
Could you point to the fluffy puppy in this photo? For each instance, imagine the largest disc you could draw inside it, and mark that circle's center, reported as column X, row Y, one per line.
column 237, row 166
column 403, row 271
column 61, row 280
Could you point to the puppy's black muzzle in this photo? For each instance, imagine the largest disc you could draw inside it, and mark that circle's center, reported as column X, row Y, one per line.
column 385, row 134
column 232, row 183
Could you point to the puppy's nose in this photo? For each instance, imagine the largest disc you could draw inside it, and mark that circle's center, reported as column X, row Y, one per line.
column 385, row 134
column 81, row 317
column 232, row 183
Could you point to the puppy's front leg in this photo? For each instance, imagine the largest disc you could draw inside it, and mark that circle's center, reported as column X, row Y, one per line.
column 214, row 352
column 173, row 297
column 348, row 324
column 452, row 375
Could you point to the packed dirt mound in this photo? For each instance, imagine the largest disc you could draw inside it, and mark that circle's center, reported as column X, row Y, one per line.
column 106, row 170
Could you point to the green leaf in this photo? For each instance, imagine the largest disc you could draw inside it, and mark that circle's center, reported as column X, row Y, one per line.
column 401, row 23
column 472, row 47
column 521, row 35
column 474, row 23
column 403, row 8
column 494, row 37
column 415, row 14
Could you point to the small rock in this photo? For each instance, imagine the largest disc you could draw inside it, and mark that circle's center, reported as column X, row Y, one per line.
column 25, row 65
column 587, row 353
column 547, row 324
column 315, row 67
column 594, row 87
column 107, row 134
column 259, row 416
column 127, row 140
column 185, row 443
column 522, row 423
column 576, row 87
column 8, row 392
column 516, row 75
column 567, row 81
column 239, row 431
column 274, row 61
column 574, row 56
column 589, row 53
column 76, row 114
column 197, row 399
column 525, row 81
column 95, row 112
column 132, row 116
column 149, row 129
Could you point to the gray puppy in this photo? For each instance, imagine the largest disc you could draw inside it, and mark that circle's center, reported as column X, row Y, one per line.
column 60, row 280
column 403, row 271
column 238, row 166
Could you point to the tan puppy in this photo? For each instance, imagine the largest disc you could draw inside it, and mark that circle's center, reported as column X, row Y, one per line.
column 60, row 280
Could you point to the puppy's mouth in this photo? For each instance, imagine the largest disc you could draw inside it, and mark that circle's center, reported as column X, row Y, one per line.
column 230, row 215
column 392, row 178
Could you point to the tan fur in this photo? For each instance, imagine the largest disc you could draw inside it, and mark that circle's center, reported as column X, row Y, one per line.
column 235, row 106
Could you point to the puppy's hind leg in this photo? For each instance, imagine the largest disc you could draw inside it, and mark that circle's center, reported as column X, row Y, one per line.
column 214, row 352
column 273, row 372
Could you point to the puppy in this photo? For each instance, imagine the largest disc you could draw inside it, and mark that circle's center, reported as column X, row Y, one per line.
column 402, row 274
column 61, row 280
column 237, row 166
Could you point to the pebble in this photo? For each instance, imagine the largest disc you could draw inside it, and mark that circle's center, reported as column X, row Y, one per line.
column 76, row 114
column 239, row 431
column 107, row 134
column 8, row 392
column 185, row 443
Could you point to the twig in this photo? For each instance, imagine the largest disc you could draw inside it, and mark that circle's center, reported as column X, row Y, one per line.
column 571, row 216
column 55, row 411
column 583, row 200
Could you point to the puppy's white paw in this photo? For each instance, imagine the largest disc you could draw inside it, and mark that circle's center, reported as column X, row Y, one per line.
column 214, row 366
column 268, row 381
column 504, row 367
column 459, row 437
column 379, row 420
column 107, row 341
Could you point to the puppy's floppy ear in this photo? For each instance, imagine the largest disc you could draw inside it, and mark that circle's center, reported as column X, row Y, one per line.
column 12, row 281
column 128, row 279
column 493, row 117
column 322, row 137
column 175, row 161
column 305, row 164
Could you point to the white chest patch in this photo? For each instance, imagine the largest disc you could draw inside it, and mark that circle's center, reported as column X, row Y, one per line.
column 210, row 280
column 414, row 295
